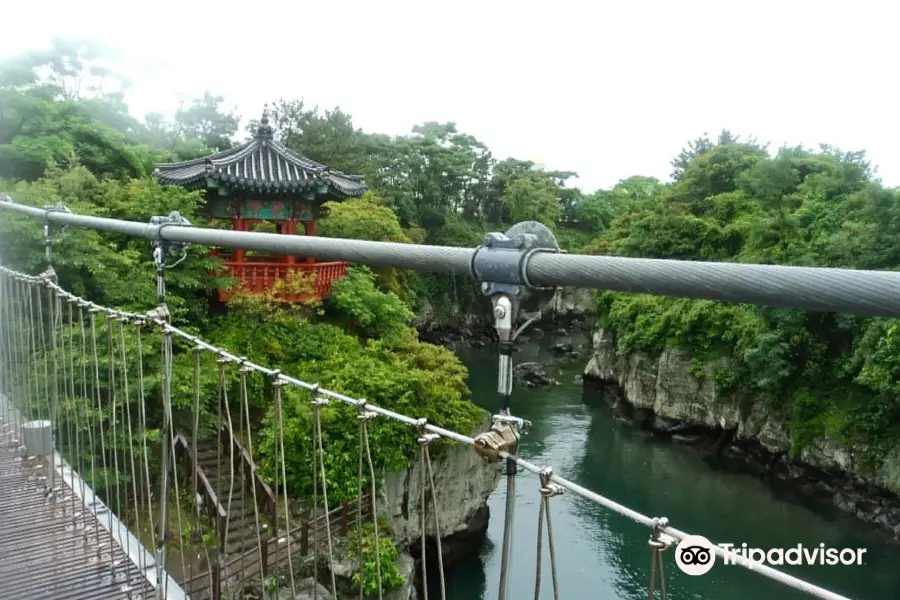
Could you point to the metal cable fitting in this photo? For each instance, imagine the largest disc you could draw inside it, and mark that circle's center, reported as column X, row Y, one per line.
column 364, row 413
column 548, row 487
column 318, row 399
column 659, row 540
column 277, row 380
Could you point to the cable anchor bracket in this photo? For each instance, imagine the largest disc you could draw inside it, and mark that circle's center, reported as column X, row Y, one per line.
column 659, row 540
column 502, row 438
column 59, row 207
column 161, row 246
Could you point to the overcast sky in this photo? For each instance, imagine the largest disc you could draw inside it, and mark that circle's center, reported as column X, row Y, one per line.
column 607, row 89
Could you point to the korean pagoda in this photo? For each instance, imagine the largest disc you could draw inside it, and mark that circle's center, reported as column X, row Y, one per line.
column 263, row 181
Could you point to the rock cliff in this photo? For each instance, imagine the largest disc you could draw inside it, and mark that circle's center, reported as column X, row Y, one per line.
column 668, row 395
column 463, row 483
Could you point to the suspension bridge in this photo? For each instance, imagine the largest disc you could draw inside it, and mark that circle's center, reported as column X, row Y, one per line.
column 102, row 497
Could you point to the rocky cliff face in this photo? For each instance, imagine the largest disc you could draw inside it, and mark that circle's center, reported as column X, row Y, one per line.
column 662, row 394
column 463, row 482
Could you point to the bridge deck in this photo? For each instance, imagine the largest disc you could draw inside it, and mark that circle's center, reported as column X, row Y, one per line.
column 55, row 549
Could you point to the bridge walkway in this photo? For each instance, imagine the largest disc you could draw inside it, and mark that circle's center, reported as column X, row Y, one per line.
column 51, row 546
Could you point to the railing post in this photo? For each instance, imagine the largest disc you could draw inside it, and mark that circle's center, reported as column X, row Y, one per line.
column 304, row 538
column 345, row 517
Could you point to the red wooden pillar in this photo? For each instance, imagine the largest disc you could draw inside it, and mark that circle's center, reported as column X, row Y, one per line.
column 311, row 231
column 238, row 225
column 289, row 228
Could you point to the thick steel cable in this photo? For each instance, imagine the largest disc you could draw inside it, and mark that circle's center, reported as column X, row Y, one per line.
column 865, row 293
column 573, row 487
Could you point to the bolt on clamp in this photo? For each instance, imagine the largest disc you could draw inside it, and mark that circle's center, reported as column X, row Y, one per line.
column 277, row 381
column 364, row 413
column 318, row 400
column 501, row 438
column 548, row 487
column 660, row 541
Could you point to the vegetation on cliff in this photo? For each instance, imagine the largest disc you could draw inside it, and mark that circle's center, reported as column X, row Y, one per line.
column 65, row 138
column 732, row 200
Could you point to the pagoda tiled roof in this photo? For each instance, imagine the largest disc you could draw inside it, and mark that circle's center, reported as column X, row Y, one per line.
column 260, row 165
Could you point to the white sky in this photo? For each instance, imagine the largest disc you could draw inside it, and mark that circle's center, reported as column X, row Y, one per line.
column 607, row 89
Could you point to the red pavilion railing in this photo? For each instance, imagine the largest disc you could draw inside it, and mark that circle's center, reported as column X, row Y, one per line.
column 299, row 282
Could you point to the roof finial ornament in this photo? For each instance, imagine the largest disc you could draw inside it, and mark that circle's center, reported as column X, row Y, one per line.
column 264, row 132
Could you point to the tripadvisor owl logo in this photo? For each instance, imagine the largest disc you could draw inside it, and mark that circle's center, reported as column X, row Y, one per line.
column 694, row 555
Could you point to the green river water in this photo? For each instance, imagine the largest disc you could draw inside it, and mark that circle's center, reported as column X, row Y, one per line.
column 603, row 556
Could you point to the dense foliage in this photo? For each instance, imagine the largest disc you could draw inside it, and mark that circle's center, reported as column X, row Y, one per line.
column 732, row 201
column 64, row 137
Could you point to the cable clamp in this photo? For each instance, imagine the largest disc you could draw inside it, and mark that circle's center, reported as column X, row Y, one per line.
column 245, row 366
column 160, row 246
column 425, row 437
column 160, row 313
column 522, row 425
column 318, row 399
column 277, row 380
column 224, row 358
column 502, row 438
column 364, row 413
column 659, row 540
column 548, row 487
